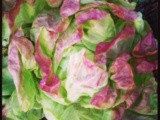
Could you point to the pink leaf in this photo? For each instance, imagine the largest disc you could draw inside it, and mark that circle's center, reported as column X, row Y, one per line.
column 133, row 98
column 84, row 76
column 51, row 21
column 92, row 14
column 13, row 13
column 122, row 12
column 105, row 98
column 123, row 75
column 69, row 7
column 144, row 66
column 50, row 82
column 147, row 46
column 68, row 39
column 103, row 49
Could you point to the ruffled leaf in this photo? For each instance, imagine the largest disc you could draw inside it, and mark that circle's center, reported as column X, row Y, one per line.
column 51, row 21
column 123, row 76
column 97, row 27
column 147, row 103
column 122, row 12
column 146, row 47
column 70, row 37
column 104, row 98
column 120, row 44
column 13, row 14
column 23, row 79
column 47, row 41
column 50, row 82
column 69, row 7
column 92, row 14
column 13, row 110
column 86, row 79
column 26, row 50
column 144, row 66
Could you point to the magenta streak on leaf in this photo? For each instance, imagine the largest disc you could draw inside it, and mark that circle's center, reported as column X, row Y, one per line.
column 69, row 7
column 26, row 49
column 51, row 42
column 124, row 57
column 52, row 87
column 65, row 42
column 15, row 68
column 50, row 82
column 103, row 48
column 119, row 112
column 51, row 23
column 133, row 97
column 144, row 66
column 122, row 12
column 143, row 105
column 147, row 46
column 92, row 14
column 84, row 76
column 14, row 62
column 105, row 98
column 91, row 68
column 13, row 13
column 24, row 46
column 14, row 65
column 123, row 73
column 92, row 5
column 151, row 86
column 44, row 62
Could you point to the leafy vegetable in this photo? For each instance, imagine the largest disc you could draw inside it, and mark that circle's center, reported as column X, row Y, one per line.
column 78, row 60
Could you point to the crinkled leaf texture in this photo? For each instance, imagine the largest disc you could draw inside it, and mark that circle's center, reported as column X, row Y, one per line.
column 120, row 44
column 69, row 7
column 147, row 102
column 20, row 55
column 146, row 47
column 90, row 60
column 12, row 111
column 55, row 111
column 84, row 77
column 98, row 27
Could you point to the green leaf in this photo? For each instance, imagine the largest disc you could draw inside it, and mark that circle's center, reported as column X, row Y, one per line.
column 27, row 86
column 5, row 99
column 96, row 31
column 52, row 110
column 28, row 12
column 130, row 115
column 70, row 114
column 4, row 62
column 5, row 31
column 142, row 78
column 7, row 83
column 125, row 3
column 14, row 112
column 46, row 42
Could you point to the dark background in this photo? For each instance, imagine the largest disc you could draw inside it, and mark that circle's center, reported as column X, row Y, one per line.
column 149, row 9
